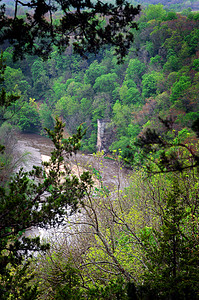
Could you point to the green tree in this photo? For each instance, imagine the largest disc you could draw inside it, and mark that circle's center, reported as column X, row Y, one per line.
column 196, row 64
column 155, row 12
column 171, row 249
column 192, row 40
column 21, row 203
column 59, row 88
column 6, row 99
column 126, row 144
column 40, row 78
column 14, row 78
column 7, row 158
column 94, row 71
column 156, row 61
column 121, row 117
column 170, row 246
column 106, row 83
column 130, row 95
column 173, row 64
column 171, row 15
column 60, row 279
column 22, row 207
column 37, row 34
column 149, row 84
column 46, row 118
column 179, row 87
column 68, row 108
column 186, row 11
column 28, row 118
column 135, row 70
column 78, row 90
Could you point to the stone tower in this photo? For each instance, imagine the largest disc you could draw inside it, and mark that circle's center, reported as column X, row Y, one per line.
column 104, row 135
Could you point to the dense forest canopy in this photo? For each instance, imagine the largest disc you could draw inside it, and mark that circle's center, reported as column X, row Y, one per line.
column 85, row 24
column 171, row 4
column 138, row 243
column 157, row 78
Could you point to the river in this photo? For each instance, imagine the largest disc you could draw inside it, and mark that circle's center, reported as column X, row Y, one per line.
column 35, row 148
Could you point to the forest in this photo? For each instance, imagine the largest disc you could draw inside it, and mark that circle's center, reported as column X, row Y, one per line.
column 140, row 242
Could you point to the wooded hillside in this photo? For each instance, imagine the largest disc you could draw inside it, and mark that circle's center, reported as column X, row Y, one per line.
column 141, row 242
column 158, row 78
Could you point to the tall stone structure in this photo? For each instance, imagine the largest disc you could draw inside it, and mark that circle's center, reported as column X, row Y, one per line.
column 104, row 135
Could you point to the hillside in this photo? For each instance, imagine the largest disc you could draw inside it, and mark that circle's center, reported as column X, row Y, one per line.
column 177, row 5
column 158, row 78
column 136, row 238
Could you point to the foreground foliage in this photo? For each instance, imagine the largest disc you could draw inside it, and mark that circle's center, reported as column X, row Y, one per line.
column 140, row 243
column 77, row 24
column 41, row 198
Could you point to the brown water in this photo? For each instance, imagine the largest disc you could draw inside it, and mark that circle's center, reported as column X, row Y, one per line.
column 34, row 146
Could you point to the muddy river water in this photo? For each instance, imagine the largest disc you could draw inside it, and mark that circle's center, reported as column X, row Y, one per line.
column 33, row 148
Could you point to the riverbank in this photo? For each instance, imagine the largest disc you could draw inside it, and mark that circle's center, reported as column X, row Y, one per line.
column 34, row 146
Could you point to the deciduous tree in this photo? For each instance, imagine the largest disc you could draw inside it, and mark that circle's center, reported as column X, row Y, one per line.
column 78, row 25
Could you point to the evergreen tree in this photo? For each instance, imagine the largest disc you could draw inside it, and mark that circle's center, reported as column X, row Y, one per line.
column 25, row 202
column 171, row 251
column 39, row 30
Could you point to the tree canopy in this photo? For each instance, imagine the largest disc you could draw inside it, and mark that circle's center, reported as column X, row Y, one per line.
column 140, row 242
column 87, row 25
